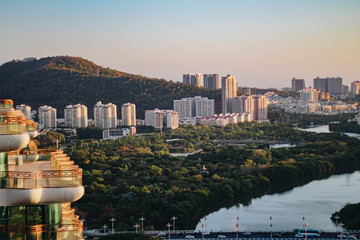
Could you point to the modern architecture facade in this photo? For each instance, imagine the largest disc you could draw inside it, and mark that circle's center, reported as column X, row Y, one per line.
column 160, row 119
column 37, row 185
column 184, row 107
column 195, row 107
column 355, row 87
column 105, row 115
column 25, row 109
column 193, row 79
column 76, row 116
column 211, row 81
column 255, row 106
column 332, row 85
column 297, row 84
column 154, row 118
column 228, row 92
column 128, row 114
column 115, row 133
column 171, row 119
column 47, row 117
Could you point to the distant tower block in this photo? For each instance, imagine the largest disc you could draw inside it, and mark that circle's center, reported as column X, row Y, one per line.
column 297, row 84
column 228, row 92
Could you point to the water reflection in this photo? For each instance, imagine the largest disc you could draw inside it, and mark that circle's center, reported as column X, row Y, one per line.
column 316, row 201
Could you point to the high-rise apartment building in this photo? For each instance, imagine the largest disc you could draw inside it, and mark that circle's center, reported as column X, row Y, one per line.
column 128, row 114
column 211, row 81
column 309, row 95
column 154, row 118
column 345, row 89
column 355, row 87
column 35, row 196
column 105, row 115
column 193, row 79
column 334, row 86
column 195, row 107
column 297, row 84
column 162, row 118
column 47, row 117
column 261, row 107
column 228, row 92
column 76, row 116
column 255, row 106
column 171, row 119
column 25, row 109
column 184, row 107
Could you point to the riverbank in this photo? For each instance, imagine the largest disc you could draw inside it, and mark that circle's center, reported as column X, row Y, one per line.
column 135, row 176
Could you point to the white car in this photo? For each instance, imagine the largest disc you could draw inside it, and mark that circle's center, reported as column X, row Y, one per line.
column 221, row 236
column 246, row 234
column 189, row 236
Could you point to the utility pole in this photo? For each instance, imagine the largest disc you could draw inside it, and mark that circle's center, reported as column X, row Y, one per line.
column 112, row 224
column 142, row 223
column 168, row 225
column 174, row 218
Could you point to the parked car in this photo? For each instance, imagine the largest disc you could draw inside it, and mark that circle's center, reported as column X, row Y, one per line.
column 221, row 236
column 189, row 236
column 246, row 234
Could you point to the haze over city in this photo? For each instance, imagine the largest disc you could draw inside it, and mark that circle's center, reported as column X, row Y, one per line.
column 261, row 43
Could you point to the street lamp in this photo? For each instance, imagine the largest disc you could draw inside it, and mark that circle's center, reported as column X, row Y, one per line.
column 306, row 224
column 168, row 225
column 341, row 233
column 142, row 223
column 270, row 227
column 105, row 227
column 336, row 218
column 112, row 223
column 136, row 227
column 237, row 228
column 174, row 218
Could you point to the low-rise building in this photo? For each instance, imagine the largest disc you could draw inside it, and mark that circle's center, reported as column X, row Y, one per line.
column 116, row 133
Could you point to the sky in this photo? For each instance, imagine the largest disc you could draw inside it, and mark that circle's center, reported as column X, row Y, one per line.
column 263, row 43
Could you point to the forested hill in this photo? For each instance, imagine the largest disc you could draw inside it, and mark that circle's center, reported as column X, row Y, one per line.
column 64, row 80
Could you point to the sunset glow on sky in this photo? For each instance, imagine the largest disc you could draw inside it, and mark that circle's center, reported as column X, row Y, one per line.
column 263, row 43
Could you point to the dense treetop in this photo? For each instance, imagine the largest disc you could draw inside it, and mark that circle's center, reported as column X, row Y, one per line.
column 64, row 80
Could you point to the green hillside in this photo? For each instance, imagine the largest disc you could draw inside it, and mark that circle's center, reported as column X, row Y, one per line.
column 64, row 80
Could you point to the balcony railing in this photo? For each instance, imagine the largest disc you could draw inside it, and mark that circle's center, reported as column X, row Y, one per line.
column 43, row 179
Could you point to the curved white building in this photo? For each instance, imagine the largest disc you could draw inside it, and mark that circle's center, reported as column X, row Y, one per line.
column 37, row 186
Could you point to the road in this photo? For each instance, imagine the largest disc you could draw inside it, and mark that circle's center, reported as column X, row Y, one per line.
column 234, row 236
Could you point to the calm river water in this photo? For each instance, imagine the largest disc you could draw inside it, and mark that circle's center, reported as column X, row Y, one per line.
column 316, row 201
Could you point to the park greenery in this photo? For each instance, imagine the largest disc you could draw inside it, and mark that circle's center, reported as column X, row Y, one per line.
column 136, row 176
column 349, row 216
column 348, row 127
column 305, row 120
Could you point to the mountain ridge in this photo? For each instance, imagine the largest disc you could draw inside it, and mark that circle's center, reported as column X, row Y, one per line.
column 63, row 80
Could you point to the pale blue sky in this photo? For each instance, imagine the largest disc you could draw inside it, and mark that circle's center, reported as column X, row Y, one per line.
column 263, row 43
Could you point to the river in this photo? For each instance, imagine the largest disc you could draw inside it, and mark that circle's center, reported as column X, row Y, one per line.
column 315, row 201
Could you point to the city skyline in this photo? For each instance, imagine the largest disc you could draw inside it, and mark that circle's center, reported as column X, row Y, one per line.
column 261, row 43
